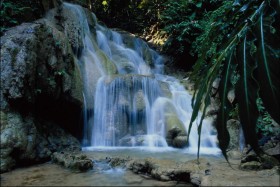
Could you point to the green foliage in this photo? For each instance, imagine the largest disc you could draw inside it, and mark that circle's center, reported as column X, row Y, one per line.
column 14, row 12
column 184, row 21
column 265, row 125
column 133, row 16
column 240, row 45
column 180, row 19
column 234, row 112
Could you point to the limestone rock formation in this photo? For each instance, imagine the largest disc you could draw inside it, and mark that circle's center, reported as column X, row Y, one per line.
column 41, row 92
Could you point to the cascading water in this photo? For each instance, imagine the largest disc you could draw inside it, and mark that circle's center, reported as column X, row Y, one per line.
column 128, row 99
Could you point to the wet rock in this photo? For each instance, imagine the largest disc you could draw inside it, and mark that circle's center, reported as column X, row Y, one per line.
column 18, row 140
column 270, row 172
column 234, row 154
column 165, row 89
column 254, row 162
column 174, row 127
column 39, row 75
column 142, row 140
column 128, row 141
column 180, row 141
column 75, row 161
column 133, row 180
column 216, row 83
column 167, row 170
column 274, row 151
column 22, row 143
column 234, row 128
column 139, row 99
column 118, row 162
column 252, row 165
column 188, row 84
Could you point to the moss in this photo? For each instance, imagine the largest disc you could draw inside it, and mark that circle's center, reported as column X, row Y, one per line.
column 3, row 119
column 77, row 88
column 14, row 54
column 172, row 123
column 107, row 64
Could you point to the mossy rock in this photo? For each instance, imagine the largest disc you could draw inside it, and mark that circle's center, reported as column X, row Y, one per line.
column 3, row 119
column 180, row 141
column 74, row 161
column 109, row 67
column 174, row 127
column 165, row 89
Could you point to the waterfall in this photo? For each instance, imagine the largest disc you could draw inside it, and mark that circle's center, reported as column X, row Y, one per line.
column 129, row 101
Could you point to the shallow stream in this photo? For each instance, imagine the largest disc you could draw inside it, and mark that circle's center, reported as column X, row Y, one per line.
column 221, row 174
column 102, row 174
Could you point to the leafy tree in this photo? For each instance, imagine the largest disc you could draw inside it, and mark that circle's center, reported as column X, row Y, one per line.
column 183, row 22
column 240, row 45
column 133, row 16
column 14, row 12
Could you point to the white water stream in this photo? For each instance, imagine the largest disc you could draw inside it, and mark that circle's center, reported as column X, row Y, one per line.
column 128, row 99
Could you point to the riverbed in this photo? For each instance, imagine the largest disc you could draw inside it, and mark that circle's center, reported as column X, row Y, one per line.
column 220, row 173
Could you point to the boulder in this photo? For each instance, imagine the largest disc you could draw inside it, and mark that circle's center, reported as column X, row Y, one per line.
column 23, row 143
column 233, row 127
column 167, row 170
column 253, row 165
column 274, row 151
column 74, row 161
column 253, row 162
column 41, row 91
column 139, row 99
column 165, row 89
column 173, row 128
column 188, row 84
column 180, row 141
column 118, row 162
column 142, row 140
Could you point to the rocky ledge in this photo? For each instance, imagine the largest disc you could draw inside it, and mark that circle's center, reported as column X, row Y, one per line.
column 208, row 171
column 74, row 161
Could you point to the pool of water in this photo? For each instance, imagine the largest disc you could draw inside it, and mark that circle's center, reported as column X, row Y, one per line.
column 221, row 174
column 181, row 155
column 102, row 174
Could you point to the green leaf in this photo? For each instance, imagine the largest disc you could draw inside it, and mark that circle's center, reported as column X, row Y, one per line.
column 246, row 93
column 223, row 114
column 207, row 102
column 199, row 5
column 269, row 69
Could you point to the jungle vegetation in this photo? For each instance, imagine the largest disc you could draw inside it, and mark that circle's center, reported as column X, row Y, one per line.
column 234, row 41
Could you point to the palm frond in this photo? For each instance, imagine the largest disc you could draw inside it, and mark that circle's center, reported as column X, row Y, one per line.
column 250, row 48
